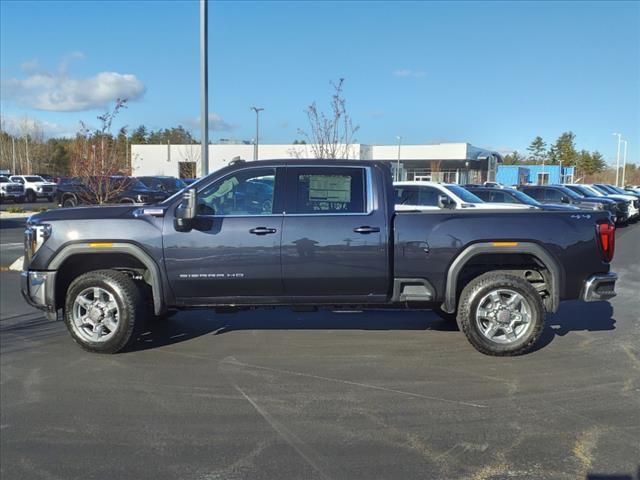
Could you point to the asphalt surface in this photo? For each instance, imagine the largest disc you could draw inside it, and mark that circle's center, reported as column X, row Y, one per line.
column 274, row 394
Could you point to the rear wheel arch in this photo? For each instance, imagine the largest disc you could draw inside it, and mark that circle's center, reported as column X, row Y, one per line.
column 549, row 269
column 77, row 259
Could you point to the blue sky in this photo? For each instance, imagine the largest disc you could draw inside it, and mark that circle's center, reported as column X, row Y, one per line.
column 493, row 74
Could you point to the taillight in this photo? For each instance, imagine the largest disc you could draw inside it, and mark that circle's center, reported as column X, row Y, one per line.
column 607, row 239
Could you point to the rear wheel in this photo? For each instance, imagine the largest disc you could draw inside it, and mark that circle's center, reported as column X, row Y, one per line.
column 69, row 202
column 102, row 309
column 501, row 314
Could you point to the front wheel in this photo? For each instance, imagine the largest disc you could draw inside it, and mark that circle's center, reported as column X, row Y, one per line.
column 31, row 196
column 501, row 314
column 101, row 310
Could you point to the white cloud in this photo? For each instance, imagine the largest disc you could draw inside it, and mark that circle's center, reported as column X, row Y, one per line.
column 406, row 72
column 59, row 92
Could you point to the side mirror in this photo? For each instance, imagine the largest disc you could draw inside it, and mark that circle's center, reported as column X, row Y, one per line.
column 444, row 201
column 565, row 199
column 186, row 211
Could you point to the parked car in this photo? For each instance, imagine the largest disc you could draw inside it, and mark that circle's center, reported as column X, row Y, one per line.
column 170, row 185
column 619, row 191
column 46, row 177
column 510, row 195
column 340, row 242
column 554, row 194
column 631, row 201
column 35, row 187
column 74, row 191
column 11, row 190
column 419, row 195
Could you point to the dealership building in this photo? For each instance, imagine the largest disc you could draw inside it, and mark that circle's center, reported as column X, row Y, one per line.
column 445, row 162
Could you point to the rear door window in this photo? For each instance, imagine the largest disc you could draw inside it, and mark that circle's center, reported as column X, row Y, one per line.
column 322, row 190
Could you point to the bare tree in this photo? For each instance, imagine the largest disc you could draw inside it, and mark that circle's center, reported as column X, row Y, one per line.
column 97, row 159
column 330, row 135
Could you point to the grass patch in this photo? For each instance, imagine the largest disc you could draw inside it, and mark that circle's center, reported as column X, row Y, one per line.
column 15, row 210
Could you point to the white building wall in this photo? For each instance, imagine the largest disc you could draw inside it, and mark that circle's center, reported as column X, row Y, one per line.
column 164, row 159
column 439, row 151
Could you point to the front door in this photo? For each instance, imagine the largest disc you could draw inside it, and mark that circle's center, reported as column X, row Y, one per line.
column 234, row 248
column 334, row 242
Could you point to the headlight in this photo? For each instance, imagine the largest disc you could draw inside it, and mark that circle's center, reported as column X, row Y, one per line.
column 34, row 237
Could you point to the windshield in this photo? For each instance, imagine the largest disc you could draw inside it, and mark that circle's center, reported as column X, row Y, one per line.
column 568, row 192
column 581, row 190
column 618, row 190
column 33, row 178
column 4, row 180
column 600, row 189
column 464, row 195
column 524, row 198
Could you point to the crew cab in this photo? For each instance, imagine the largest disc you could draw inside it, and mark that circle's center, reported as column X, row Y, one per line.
column 11, row 190
column 312, row 233
column 35, row 187
column 419, row 195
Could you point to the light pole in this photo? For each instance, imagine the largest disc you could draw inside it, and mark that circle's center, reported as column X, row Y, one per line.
column 618, row 158
column 399, row 138
column 255, row 143
column 624, row 163
column 204, row 91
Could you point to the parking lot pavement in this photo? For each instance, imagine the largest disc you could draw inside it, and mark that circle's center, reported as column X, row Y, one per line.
column 278, row 394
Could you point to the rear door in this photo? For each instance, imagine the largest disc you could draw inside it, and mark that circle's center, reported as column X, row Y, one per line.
column 334, row 237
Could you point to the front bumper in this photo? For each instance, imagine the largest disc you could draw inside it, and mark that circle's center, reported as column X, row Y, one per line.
column 11, row 194
column 38, row 289
column 599, row 287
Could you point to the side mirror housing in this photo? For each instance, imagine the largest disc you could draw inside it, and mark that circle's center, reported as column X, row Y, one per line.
column 565, row 199
column 444, row 201
column 186, row 211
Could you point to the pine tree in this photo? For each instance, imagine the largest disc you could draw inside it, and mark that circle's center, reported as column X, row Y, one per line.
column 537, row 150
column 564, row 150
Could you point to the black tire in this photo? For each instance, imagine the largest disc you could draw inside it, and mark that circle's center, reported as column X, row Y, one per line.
column 31, row 196
column 469, row 301
column 50, row 199
column 69, row 202
column 128, row 299
column 19, row 200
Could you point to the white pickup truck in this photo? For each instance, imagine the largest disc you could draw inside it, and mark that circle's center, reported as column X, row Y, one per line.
column 35, row 187
column 11, row 190
column 418, row 195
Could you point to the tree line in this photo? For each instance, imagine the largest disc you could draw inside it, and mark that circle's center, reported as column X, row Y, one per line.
column 562, row 152
column 29, row 151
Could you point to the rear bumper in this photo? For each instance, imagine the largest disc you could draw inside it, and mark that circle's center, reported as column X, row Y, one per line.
column 38, row 289
column 599, row 287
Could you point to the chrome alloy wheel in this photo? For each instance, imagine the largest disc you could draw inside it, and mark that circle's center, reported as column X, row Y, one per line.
column 503, row 316
column 95, row 315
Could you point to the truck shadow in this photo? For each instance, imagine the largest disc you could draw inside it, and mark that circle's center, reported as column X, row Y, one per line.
column 572, row 317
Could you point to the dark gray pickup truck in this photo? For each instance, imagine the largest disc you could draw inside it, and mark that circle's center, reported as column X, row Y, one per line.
column 312, row 233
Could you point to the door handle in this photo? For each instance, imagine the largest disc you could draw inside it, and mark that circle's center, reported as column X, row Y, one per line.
column 366, row 229
column 262, row 231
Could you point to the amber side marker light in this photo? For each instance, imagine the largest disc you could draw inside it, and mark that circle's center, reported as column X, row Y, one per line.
column 101, row 245
column 505, row 244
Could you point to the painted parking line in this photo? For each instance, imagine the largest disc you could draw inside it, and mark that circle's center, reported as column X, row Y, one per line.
column 11, row 245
